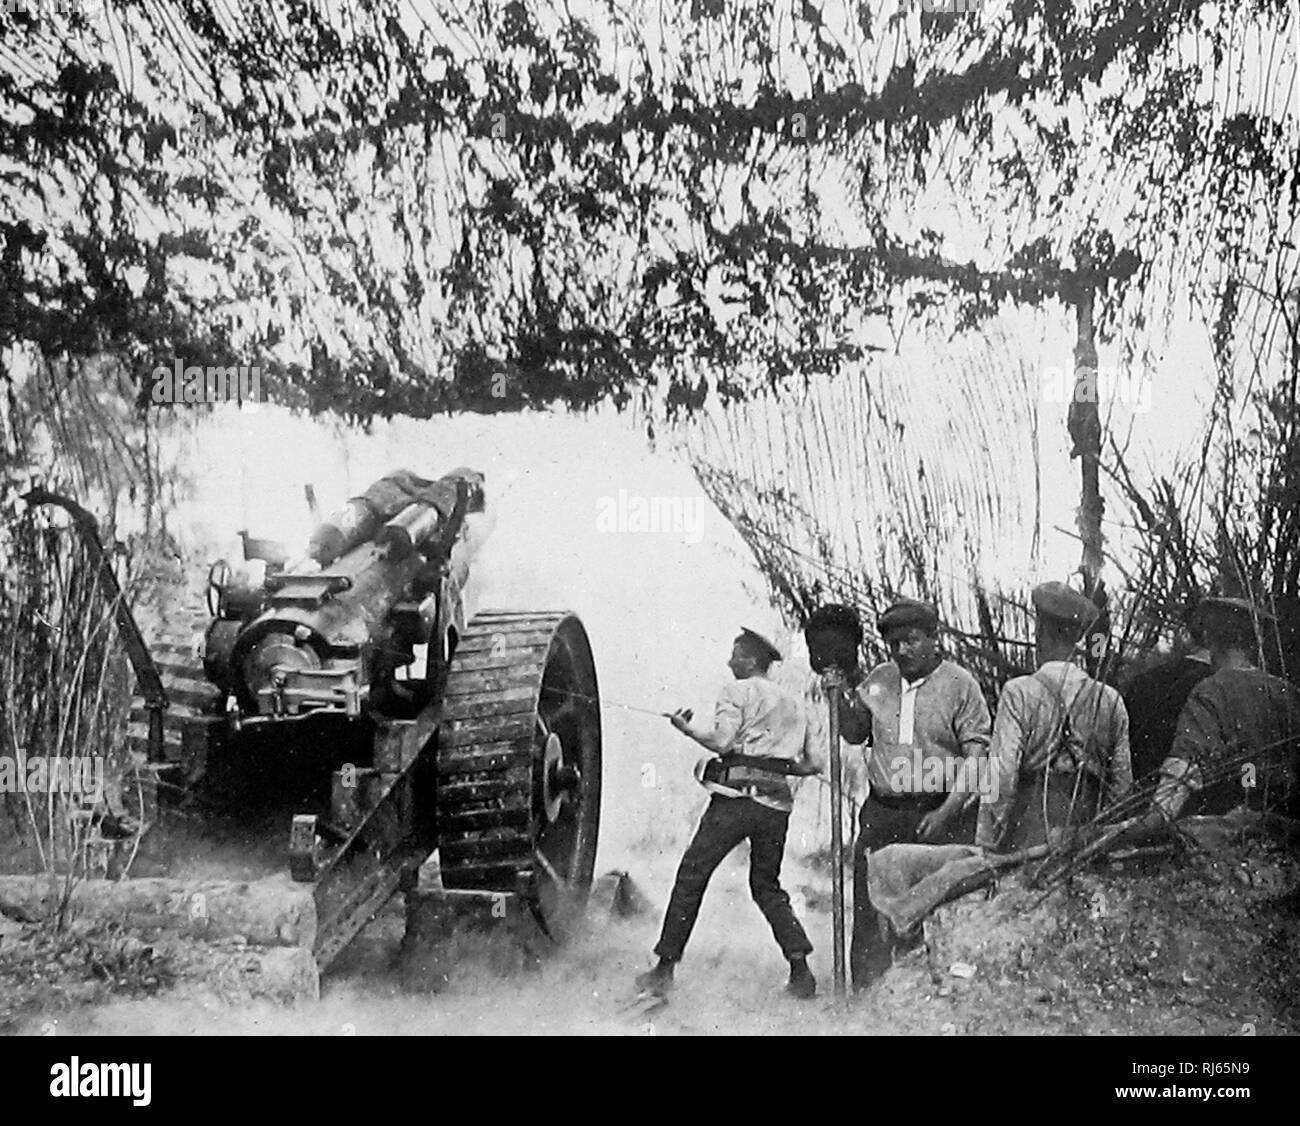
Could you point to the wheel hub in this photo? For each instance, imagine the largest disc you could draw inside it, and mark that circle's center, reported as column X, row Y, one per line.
column 560, row 781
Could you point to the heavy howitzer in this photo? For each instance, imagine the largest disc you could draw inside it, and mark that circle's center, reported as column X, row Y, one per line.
column 480, row 740
column 330, row 634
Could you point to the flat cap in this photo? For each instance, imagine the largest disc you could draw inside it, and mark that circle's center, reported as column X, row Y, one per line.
column 760, row 644
column 1064, row 604
column 906, row 613
column 1220, row 609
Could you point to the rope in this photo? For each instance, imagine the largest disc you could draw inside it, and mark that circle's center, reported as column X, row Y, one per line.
column 605, row 703
column 645, row 711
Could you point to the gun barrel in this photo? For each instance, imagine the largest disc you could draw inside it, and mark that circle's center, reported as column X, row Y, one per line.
column 410, row 529
column 352, row 524
column 387, row 504
column 318, row 633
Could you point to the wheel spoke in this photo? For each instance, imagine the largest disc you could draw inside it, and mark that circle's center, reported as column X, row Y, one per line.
column 544, row 862
column 555, row 842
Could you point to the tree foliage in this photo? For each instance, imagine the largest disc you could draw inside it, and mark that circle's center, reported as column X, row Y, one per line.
column 404, row 208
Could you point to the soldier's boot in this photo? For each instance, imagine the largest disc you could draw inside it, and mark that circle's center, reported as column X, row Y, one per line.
column 802, row 984
column 657, row 980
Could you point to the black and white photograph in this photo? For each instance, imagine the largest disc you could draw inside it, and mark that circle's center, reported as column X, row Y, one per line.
column 650, row 519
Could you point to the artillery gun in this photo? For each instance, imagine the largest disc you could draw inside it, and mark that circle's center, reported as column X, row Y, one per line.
column 480, row 740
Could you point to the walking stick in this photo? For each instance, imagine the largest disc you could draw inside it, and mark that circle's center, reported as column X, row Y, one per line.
column 832, row 679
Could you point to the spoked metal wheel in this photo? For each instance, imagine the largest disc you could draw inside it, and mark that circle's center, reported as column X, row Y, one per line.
column 519, row 764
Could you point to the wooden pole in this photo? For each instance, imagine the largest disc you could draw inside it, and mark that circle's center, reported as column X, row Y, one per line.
column 832, row 680
column 1085, row 430
column 1084, row 424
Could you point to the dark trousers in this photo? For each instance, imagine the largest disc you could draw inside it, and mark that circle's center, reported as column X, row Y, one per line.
column 726, row 823
column 874, row 943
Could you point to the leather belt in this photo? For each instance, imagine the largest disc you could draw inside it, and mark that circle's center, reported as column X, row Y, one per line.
column 891, row 800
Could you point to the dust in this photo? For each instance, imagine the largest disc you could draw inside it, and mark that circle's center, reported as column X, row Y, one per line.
column 730, row 982
column 1208, row 947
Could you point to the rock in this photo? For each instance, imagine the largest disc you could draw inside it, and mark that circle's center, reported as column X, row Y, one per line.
column 282, row 974
column 616, row 895
column 269, row 912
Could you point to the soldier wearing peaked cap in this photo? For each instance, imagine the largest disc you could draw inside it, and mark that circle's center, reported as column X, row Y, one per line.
column 1062, row 603
column 1225, row 614
column 759, row 644
column 924, row 720
column 1060, row 740
column 760, row 737
column 1238, row 734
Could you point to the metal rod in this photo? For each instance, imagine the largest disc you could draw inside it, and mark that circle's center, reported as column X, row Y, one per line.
column 832, row 679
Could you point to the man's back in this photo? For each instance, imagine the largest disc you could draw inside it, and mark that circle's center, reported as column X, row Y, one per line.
column 761, row 719
column 1241, row 723
column 1154, row 700
column 1098, row 720
column 769, row 721
column 1029, row 749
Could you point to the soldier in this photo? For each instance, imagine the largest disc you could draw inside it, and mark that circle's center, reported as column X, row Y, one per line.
column 1237, row 734
column 1155, row 698
column 1060, row 741
column 923, row 715
column 760, row 735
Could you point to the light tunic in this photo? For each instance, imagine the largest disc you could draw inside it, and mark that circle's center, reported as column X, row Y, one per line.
column 756, row 717
column 942, row 716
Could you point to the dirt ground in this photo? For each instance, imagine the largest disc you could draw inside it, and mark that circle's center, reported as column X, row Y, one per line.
column 1207, row 947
